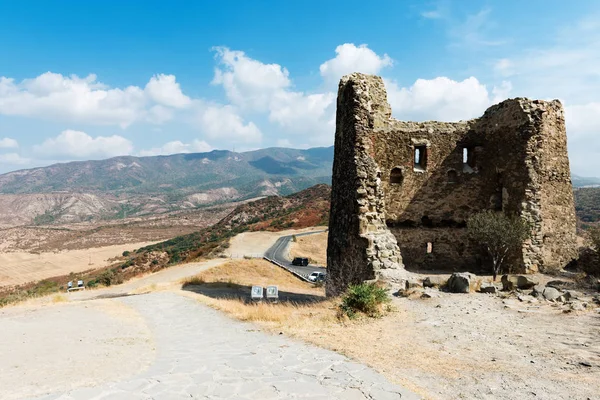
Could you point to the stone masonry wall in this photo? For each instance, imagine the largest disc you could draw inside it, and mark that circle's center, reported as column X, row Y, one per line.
column 515, row 162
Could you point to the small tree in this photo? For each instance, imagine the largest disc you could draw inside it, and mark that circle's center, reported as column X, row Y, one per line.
column 499, row 234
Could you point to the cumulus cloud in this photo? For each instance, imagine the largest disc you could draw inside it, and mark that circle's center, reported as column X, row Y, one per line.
column 165, row 90
column 247, row 82
column 254, row 86
column 224, row 122
column 72, row 144
column 85, row 100
column 441, row 99
column 351, row 58
column 8, row 143
column 13, row 159
column 54, row 96
column 177, row 147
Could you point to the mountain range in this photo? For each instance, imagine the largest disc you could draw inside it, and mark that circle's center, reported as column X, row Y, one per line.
column 130, row 186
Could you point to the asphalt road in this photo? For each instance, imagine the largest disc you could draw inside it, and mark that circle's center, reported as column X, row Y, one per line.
column 280, row 251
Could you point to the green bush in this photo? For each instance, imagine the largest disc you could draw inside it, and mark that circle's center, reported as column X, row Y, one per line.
column 126, row 253
column 365, row 298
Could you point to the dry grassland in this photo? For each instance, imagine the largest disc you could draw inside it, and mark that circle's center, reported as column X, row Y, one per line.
column 313, row 247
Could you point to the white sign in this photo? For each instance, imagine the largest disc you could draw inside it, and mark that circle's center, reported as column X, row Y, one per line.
column 272, row 292
column 257, row 292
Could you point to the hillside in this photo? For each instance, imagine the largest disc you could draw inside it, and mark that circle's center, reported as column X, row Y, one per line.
column 307, row 208
column 128, row 186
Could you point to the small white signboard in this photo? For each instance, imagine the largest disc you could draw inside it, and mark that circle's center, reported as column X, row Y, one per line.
column 257, row 293
column 272, row 292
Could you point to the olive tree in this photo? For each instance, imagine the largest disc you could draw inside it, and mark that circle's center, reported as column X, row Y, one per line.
column 498, row 234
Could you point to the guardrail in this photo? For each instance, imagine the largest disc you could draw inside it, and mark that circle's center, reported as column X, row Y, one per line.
column 304, row 278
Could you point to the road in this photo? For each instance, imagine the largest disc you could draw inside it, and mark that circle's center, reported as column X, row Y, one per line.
column 280, row 252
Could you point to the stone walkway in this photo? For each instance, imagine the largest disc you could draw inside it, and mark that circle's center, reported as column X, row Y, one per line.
column 202, row 354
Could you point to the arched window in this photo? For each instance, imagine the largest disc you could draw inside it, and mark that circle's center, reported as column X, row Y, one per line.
column 452, row 176
column 396, row 176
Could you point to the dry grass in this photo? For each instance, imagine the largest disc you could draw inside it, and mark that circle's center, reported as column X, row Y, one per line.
column 313, row 247
column 254, row 272
column 59, row 298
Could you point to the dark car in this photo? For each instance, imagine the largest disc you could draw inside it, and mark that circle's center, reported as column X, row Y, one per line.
column 302, row 261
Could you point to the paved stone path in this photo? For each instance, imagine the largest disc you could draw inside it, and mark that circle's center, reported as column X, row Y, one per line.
column 202, row 354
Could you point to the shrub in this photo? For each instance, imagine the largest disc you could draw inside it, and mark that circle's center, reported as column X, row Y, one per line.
column 366, row 298
column 498, row 234
column 126, row 253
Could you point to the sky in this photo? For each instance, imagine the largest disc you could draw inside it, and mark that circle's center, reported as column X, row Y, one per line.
column 92, row 79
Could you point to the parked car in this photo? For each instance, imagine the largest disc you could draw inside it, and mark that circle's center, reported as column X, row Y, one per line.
column 301, row 261
column 317, row 276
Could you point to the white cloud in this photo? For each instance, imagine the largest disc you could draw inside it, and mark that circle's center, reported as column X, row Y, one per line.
column 165, row 90
column 13, row 159
column 350, row 58
column 72, row 144
column 8, row 143
column 441, row 99
column 247, row 82
column 53, row 96
column 223, row 122
column 177, row 147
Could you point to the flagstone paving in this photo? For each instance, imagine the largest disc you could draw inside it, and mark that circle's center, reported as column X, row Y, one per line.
column 202, row 354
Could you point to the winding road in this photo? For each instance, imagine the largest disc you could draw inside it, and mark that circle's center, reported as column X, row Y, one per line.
column 279, row 252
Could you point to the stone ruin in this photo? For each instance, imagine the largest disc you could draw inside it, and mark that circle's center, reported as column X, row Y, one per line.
column 403, row 191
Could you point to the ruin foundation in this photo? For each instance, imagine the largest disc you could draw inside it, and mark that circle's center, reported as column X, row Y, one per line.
column 403, row 191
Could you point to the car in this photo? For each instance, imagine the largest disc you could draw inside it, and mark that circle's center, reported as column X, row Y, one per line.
column 317, row 276
column 301, row 261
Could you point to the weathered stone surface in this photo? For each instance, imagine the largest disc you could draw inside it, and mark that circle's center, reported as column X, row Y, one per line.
column 512, row 282
column 459, row 282
column 488, row 288
column 385, row 204
column 434, row 281
column 551, row 293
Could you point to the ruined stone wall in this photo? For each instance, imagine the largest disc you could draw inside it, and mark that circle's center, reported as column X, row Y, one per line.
column 359, row 245
column 516, row 163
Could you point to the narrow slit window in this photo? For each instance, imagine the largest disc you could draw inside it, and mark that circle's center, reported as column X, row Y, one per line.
column 429, row 247
column 468, row 157
column 420, row 157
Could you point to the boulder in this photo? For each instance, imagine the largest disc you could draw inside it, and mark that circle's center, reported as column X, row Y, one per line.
column 538, row 290
column 488, row 288
column 551, row 293
column 573, row 294
column 459, row 282
column 512, row 282
column 434, row 281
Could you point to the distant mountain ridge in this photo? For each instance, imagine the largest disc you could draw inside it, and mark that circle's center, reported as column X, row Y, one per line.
column 259, row 172
column 122, row 187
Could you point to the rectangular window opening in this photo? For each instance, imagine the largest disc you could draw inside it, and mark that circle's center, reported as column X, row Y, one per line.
column 469, row 157
column 420, row 158
column 429, row 247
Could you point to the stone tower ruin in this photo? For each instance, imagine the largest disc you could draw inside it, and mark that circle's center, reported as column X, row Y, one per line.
column 403, row 191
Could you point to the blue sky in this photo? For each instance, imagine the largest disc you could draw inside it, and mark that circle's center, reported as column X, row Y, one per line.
column 91, row 80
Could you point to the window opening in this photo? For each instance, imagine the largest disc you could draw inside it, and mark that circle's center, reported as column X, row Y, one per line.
column 452, row 176
column 469, row 157
column 429, row 247
column 420, row 158
column 396, row 176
